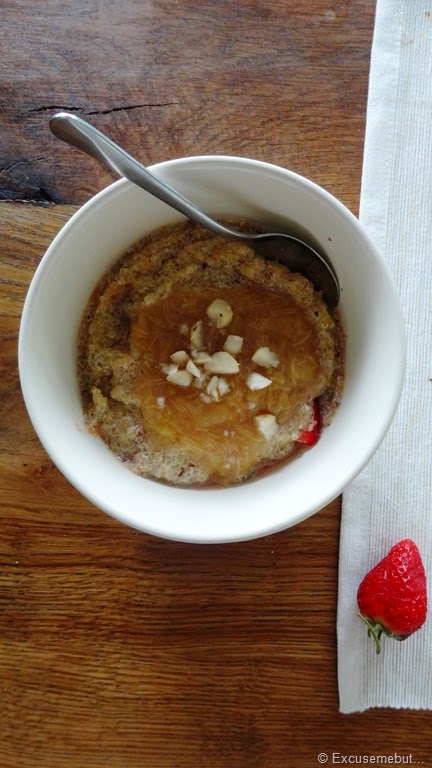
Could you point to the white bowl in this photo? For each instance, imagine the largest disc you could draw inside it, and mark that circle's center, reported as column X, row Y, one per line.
column 86, row 248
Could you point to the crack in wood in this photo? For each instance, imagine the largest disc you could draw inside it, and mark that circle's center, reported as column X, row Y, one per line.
column 37, row 192
column 131, row 107
column 125, row 108
column 15, row 164
column 51, row 107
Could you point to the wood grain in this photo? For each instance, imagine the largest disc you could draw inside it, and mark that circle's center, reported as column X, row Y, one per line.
column 116, row 648
column 273, row 79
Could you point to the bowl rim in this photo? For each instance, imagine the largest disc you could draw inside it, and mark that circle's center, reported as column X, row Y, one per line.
column 123, row 515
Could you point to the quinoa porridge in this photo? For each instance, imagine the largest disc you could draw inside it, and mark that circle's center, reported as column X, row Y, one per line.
column 200, row 363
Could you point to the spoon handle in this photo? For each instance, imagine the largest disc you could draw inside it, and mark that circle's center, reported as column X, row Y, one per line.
column 77, row 132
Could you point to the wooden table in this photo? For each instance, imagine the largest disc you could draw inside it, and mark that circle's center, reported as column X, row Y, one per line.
column 118, row 649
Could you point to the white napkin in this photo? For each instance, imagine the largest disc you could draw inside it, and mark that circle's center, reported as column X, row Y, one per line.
column 392, row 498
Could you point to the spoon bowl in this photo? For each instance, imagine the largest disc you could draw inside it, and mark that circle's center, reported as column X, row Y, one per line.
column 286, row 249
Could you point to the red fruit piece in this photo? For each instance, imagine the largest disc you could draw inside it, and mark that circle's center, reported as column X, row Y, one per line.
column 310, row 436
column 392, row 597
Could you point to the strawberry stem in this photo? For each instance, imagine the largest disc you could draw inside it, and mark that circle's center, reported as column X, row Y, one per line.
column 374, row 630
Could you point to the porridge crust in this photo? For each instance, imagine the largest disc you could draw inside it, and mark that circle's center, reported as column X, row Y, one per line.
column 119, row 373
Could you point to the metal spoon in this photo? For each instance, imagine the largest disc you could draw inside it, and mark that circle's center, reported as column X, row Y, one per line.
column 286, row 249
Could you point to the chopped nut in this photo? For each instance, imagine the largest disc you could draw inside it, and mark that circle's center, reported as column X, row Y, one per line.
column 255, row 381
column 169, row 368
column 212, row 388
column 233, row 344
column 182, row 378
column 160, row 402
column 200, row 357
column 222, row 362
column 216, row 388
column 265, row 357
column 184, row 329
column 266, row 424
column 180, row 358
column 194, row 370
column 220, row 313
column 196, row 335
column 223, row 386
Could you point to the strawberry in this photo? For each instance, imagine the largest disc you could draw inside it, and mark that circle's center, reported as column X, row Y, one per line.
column 392, row 597
column 310, row 436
